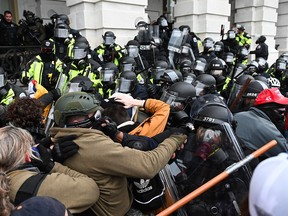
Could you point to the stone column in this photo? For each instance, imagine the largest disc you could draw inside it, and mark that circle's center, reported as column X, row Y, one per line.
column 282, row 26
column 205, row 17
column 94, row 17
column 259, row 18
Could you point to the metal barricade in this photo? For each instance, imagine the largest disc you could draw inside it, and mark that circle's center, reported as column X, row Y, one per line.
column 14, row 58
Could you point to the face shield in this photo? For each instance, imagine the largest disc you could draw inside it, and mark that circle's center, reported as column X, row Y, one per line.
column 61, row 33
column 125, row 85
column 189, row 79
column 107, row 75
column 73, row 87
column 185, row 49
column 200, row 88
column 229, row 59
column 218, row 48
column 231, row 35
column 163, row 23
column 127, row 67
column 78, row 53
column 2, row 80
column 208, row 44
column 281, row 65
column 199, row 66
column 171, row 97
column 133, row 51
column 216, row 73
column 109, row 40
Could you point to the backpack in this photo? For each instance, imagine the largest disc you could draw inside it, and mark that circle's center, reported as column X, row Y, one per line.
column 149, row 194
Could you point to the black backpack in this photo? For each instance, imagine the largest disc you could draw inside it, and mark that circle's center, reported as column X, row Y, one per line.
column 149, row 194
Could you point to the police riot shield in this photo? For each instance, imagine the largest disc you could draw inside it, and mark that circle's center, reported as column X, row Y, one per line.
column 177, row 40
column 175, row 43
column 144, row 38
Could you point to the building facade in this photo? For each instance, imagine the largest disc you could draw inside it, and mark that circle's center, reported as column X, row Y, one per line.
column 205, row 17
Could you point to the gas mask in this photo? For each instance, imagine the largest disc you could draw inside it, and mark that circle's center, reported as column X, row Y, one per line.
column 209, row 143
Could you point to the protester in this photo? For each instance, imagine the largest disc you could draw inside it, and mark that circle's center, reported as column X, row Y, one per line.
column 26, row 173
column 264, row 122
column 75, row 114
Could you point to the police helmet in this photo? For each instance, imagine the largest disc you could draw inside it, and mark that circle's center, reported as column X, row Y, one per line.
column 82, row 83
column 171, row 76
column 80, row 48
column 208, row 43
column 205, row 84
column 185, row 66
column 199, row 65
column 127, row 63
column 217, row 67
column 61, row 30
column 109, row 72
column 109, row 38
column 212, row 114
column 178, row 95
column 261, row 39
column 242, row 79
column 127, row 82
column 182, row 27
column 231, row 34
column 219, row 46
column 254, row 88
column 75, row 104
column 63, row 18
column 262, row 64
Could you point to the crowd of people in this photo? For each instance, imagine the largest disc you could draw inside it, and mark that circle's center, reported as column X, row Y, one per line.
column 130, row 130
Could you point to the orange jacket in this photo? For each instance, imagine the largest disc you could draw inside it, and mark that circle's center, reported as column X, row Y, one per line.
column 157, row 122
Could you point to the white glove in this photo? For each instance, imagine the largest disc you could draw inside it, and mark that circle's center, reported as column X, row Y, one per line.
column 125, row 99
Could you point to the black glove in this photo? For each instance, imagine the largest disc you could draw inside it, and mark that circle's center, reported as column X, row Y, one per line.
column 110, row 129
column 151, row 89
column 64, row 148
column 46, row 142
column 45, row 163
column 56, row 93
column 25, row 80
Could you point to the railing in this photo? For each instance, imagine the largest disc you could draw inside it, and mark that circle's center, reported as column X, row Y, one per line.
column 14, row 58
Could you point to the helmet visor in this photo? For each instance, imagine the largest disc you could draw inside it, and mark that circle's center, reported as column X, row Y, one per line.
column 208, row 44
column 79, row 53
column 168, row 97
column 231, row 35
column 109, row 40
column 61, row 33
column 199, row 66
column 107, row 75
column 229, row 59
column 128, row 67
column 73, row 87
column 133, row 51
column 199, row 87
column 125, row 85
column 217, row 48
column 2, row 80
column 281, row 65
column 216, row 72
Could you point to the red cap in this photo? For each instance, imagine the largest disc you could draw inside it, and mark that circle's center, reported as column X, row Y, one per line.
column 272, row 95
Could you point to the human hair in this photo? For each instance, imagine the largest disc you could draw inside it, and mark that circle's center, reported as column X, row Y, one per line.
column 15, row 143
column 7, row 12
column 117, row 113
column 25, row 113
